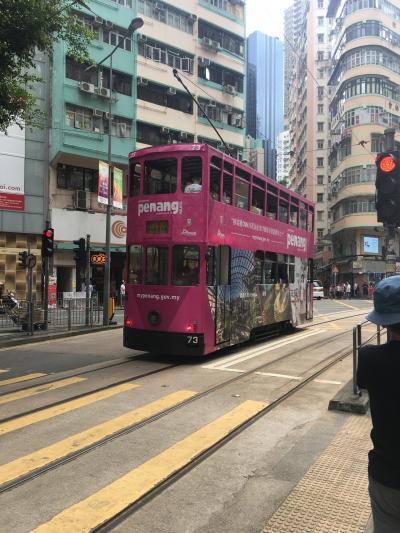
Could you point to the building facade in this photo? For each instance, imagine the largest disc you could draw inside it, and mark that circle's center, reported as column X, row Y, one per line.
column 204, row 41
column 283, row 158
column 308, row 110
column 265, row 99
column 24, row 195
column 365, row 86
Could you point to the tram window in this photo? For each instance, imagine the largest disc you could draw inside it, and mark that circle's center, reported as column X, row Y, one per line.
column 215, row 182
column 257, row 201
column 310, row 221
column 228, row 167
column 284, row 195
column 283, row 211
column 224, row 265
column 135, row 180
column 271, row 188
column 135, row 264
column 303, row 219
column 240, row 173
column 258, row 182
column 160, row 176
column 185, row 265
column 227, row 189
column 270, row 268
column 242, row 194
column 291, row 268
column 272, row 206
column 192, row 172
column 294, row 215
column 156, row 265
column 259, row 268
column 282, row 269
column 210, row 266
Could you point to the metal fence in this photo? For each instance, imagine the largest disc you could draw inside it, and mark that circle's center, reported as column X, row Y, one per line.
column 66, row 314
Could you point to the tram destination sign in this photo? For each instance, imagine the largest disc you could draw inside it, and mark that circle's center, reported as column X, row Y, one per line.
column 155, row 227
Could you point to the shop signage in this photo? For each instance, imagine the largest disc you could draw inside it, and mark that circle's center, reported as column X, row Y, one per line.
column 98, row 259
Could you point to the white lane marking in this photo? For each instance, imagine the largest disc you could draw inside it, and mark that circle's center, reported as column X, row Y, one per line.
column 230, row 370
column 271, row 374
column 327, row 382
column 250, row 354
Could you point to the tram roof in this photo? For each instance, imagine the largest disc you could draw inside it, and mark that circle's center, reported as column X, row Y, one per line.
column 202, row 147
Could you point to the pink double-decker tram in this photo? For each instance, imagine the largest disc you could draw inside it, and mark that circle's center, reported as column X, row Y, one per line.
column 217, row 253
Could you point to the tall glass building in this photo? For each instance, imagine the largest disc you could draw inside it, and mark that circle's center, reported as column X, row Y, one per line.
column 265, row 93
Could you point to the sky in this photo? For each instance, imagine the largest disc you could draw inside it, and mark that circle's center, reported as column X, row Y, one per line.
column 269, row 19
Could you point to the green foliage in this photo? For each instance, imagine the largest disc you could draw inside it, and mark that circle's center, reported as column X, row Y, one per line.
column 26, row 27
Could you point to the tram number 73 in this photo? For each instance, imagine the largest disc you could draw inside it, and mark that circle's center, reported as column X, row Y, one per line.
column 192, row 340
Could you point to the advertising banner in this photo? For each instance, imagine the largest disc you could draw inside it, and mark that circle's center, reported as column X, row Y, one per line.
column 52, row 292
column 117, row 188
column 102, row 194
column 12, row 161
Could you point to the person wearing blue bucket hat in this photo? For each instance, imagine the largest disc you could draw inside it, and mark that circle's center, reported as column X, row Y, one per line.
column 379, row 372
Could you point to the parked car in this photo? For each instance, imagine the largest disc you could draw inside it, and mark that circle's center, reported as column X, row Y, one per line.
column 318, row 291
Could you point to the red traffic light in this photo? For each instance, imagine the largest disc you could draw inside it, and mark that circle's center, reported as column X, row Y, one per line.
column 387, row 163
column 48, row 233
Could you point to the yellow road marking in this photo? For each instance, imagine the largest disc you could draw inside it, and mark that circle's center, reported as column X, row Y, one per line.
column 115, row 497
column 68, row 406
column 32, row 391
column 45, row 456
column 348, row 305
column 19, row 379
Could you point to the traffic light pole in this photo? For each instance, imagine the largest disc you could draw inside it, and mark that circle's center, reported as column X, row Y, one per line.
column 390, row 229
column 87, row 280
column 46, row 291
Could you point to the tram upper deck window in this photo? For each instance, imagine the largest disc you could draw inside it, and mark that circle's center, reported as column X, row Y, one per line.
column 185, row 265
column 160, row 176
column 227, row 189
column 294, row 215
column 283, row 211
column 215, row 178
column 135, row 179
column 242, row 189
column 156, row 265
column 272, row 202
column 303, row 216
column 135, row 264
column 258, row 196
column 192, row 174
column 310, row 219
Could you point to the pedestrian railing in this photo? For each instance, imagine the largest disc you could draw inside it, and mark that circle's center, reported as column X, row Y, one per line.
column 358, row 343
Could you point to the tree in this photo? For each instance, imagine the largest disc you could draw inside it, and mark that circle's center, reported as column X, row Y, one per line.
column 27, row 26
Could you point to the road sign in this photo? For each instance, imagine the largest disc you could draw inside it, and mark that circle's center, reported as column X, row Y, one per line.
column 335, row 269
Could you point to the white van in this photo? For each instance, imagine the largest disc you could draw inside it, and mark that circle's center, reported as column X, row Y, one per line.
column 318, row 291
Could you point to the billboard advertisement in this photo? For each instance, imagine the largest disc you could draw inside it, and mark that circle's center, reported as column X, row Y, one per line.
column 117, row 188
column 102, row 194
column 12, row 161
column 370, row 245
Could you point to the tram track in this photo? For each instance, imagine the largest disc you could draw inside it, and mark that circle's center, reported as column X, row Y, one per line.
column 320, row 367
column 49, row 380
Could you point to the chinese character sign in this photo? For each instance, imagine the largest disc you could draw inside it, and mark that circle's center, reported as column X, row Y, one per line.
column 102, row 195
column 117, row 188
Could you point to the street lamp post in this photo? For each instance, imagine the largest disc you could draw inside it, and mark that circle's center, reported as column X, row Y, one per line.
column 133, row 26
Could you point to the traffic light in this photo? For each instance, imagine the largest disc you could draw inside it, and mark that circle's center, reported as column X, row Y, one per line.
column 22, row 259
column 388, row 187
column 80, row 251
column 48, row 242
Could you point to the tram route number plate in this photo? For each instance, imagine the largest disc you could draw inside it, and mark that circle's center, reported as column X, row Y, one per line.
column 192, row 340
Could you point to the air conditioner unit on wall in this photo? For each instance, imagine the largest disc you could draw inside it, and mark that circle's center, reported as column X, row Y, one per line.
column 164, row 131
column 103, row 91
column 86, row 87
column 204, row 62
column 97, row 113
column 171, row 91
column 81, row 200
column 142, row 82
column 109, row 24
column 206, row 41
column 98, row 21
column 230, row 89
column 141, row 37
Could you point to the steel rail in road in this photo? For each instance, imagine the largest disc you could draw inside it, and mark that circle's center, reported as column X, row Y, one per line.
column 326, row 363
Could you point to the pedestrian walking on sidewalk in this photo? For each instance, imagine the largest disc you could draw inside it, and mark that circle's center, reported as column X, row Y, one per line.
column 378, row 372
column 122, row 293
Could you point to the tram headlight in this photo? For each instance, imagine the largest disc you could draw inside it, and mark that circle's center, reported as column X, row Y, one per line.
column 154, row 318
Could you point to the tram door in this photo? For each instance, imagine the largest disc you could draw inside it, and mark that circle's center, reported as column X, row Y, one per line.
column 310, row 290
column 223, row 295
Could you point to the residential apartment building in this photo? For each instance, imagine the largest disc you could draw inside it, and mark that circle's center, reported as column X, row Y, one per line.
column 79, row 135
column 204, row 40
column 283, row 158
column 24, row 195
column 365, row 83
column 265, row 94
column 308, row 113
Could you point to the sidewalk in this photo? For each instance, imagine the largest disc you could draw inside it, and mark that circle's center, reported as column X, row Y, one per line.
column 333, row 495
